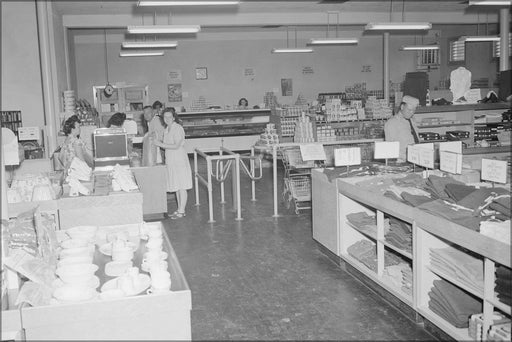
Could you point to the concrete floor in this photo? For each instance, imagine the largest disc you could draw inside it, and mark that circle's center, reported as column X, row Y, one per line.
column 265, row 278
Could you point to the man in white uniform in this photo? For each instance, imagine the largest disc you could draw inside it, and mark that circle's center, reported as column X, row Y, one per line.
column 401, row 128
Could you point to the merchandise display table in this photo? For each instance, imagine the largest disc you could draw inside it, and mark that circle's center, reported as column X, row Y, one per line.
column 164, row 316
column 116, row 208
column 334, row 205
column 152, row 181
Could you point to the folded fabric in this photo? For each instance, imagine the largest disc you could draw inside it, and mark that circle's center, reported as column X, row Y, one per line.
column 415, row 200
column 394, row 196
column 458, row 191
column 502, row 205
column 503, row 272
column 376, row 184
column 437, row 185
column 500, row 231
column 412, row 179
column 441, row 208
column 453, row 304
column 477, row 198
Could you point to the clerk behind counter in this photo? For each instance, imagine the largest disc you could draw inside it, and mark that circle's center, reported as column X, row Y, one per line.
column 401, row 127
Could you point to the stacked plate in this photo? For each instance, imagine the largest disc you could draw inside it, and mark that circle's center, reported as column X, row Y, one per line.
column 69, row 102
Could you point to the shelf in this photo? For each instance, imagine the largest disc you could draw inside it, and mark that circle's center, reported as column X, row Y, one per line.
column 397, row 249
column 455, row 282
column 370, row 234
column 460, row 334
column 446, row 125
column 359, row 266
column 404, row 297
column 503, row 307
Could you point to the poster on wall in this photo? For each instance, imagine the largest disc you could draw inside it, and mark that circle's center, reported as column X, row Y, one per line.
column 308, row 70
column 249, row 72
column 286, row 87
column 174, row 92
column 174, row 76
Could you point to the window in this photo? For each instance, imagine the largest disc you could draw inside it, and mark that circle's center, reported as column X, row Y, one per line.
column 496, row 48
column 428, row 57
column 457, row 51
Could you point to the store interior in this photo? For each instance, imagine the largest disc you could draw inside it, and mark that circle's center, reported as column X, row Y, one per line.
column 305, row 220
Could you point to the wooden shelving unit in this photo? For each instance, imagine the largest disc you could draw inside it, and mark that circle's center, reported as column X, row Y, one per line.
column 428, row 232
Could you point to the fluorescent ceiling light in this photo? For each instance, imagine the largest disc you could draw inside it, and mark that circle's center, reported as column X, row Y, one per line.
column 292, row 50
column 398, row 26
column 140, row 53
column 419, row 47
column 150, row 44
column 163, row 29
column 187, row 3
column 333, row 41
column 480, row 38
column 491, row 2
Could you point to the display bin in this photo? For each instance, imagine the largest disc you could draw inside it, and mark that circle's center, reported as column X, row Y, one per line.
column 141, row 317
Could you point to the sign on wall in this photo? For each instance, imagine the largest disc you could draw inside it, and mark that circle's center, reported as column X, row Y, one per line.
column 174, row 93
column 174, row 76
column 286, row 87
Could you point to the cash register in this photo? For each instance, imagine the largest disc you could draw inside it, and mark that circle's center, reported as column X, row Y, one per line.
column 110, row 148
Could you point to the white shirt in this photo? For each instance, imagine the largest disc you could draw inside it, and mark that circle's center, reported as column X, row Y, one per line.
column 398, row 129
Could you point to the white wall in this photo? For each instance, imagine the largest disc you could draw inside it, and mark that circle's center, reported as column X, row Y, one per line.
column 21, row 71
column 334, row 68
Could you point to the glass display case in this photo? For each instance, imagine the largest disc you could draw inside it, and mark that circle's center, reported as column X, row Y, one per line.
column 225, row 123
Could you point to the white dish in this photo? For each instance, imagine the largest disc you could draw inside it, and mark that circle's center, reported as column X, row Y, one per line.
column 82, row 259
column 76, row 273
column 112, row 294
column 93, row 282
column 144, row 283
column 77, row 252
column 70, row 293
column 117, row 268
column 163, row 256
column 106, row 248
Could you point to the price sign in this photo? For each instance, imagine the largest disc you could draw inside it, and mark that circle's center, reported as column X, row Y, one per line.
column 29, row 133
column 347, row 156
column 413, row 154
column 387, row 149
column 426, row 158
column 494, row 170
column 450, row 162
column 312, row 152
column 451, row 146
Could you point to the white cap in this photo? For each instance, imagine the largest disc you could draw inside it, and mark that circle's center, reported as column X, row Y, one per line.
column 411, row 101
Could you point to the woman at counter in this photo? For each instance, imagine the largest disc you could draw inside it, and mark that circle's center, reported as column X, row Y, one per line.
column 153, row 129
column 73, row 146
column 116, row 120
column 179, row 173
column 243, row 103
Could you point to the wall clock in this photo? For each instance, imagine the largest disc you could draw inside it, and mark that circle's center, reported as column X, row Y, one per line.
column 201, row 73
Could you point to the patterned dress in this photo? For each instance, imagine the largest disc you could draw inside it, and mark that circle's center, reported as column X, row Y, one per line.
column 67, row 152
column 179, row 173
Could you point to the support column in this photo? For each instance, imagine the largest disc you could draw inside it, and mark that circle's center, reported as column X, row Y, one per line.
column 504, row 38
column 386, row 66
column 48, row 75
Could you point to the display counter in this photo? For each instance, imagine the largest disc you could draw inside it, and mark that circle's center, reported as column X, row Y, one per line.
column 163, row 316
column 152, row 181
column 233, row 129
column 339, row 235
column 116, row 208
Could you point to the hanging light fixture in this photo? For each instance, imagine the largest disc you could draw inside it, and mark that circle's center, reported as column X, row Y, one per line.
column 335, row 40
column 478, row 37
column 490, row 2
column 419, row 47
column 188, row 3
column 140, row 53
column 149, row 44
column 398, row 26
column 152, row 29
column 288, row 49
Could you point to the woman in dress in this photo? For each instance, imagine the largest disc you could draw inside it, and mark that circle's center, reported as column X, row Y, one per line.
column 73, row 146
column 179, row 174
